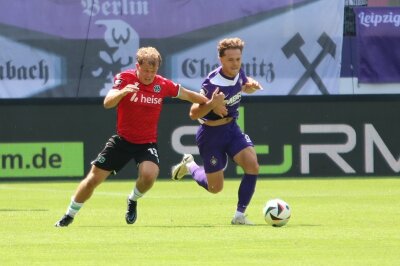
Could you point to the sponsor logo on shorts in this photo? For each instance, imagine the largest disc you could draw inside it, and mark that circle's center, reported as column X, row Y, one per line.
column 101, row 159
column 213, row 161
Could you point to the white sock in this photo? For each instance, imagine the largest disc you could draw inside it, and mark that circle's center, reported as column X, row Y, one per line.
column 73, row 208
column 135, row 194
column 237, row 214
column 188, row 165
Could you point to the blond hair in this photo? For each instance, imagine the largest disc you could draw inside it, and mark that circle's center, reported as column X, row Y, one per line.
column 229, row 43
column 149, row 55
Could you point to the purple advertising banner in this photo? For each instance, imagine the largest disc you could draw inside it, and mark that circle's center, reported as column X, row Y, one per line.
column 150, row 18
column 73, row 48
column 378, row 43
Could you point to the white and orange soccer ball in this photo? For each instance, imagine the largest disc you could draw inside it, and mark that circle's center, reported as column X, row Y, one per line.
column 276, row 212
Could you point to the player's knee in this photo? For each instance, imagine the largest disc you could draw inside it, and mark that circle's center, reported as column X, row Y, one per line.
column 215, row 189
column 252, row 168
column 256, row 167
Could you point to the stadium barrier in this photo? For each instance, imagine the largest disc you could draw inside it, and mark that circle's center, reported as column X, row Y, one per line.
column 300, row 136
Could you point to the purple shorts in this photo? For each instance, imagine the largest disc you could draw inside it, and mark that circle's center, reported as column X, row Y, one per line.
column 217, row 143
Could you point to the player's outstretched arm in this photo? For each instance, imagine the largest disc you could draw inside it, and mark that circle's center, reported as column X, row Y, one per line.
column 191, row 96
column 251, row 86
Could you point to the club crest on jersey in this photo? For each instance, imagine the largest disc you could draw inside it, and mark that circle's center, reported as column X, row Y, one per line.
column 157, row 88
column 213, row 161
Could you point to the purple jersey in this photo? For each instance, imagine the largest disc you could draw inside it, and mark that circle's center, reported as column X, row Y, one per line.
column 216, row 143
column 232, row 88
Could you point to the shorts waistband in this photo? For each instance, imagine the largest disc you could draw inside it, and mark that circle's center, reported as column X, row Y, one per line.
column 219, row 122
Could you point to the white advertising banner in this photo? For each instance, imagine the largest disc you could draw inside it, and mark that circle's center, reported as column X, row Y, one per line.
column 293, row 52
column 25, row 71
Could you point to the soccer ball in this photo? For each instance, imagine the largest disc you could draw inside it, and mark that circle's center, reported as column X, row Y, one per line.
column 276, row 212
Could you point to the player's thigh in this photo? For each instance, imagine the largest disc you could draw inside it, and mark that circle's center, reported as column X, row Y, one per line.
column 215, row 181
column 247, row 159
column 146, row 157
column 97, row 175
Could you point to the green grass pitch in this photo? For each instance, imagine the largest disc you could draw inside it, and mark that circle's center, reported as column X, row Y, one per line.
column 334, row 222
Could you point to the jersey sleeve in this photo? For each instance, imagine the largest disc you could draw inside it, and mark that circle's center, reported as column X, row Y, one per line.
column 172, row 88
column 207, row 89
column 121, row 80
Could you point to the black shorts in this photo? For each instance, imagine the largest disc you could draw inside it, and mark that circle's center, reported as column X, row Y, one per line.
column 118, row 152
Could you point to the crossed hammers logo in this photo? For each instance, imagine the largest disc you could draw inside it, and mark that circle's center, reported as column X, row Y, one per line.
column 293, row 47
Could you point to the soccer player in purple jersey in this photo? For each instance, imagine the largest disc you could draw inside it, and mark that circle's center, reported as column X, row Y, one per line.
column 219, row 136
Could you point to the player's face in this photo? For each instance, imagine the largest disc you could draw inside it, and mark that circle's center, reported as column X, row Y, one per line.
column 231, row 62
column 146, row 73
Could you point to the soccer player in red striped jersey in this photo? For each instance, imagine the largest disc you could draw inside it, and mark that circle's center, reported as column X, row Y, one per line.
column 138, row 96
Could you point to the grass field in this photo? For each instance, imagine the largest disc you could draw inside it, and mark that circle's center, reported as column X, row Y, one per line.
column 334, row 222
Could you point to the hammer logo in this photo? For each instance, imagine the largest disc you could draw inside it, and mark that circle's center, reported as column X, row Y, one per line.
column 293, row 47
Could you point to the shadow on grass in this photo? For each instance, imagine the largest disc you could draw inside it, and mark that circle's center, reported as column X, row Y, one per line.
column 153, row 226
column 23, row 210
column 304, row 225
column 186, row 226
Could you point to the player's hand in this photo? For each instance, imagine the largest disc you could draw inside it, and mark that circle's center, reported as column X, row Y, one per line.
column 221, row 110
column 251, row 85
column 217, row 98
column 218, row 101
column 129, row 88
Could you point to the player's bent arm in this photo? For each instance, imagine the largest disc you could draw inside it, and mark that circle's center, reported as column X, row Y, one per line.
column 200, row 110
column 251, row 86
column 198, row 100
column 216, row 102
column 114, row 96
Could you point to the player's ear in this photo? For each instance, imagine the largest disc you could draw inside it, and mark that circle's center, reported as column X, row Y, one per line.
column 137, row 65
